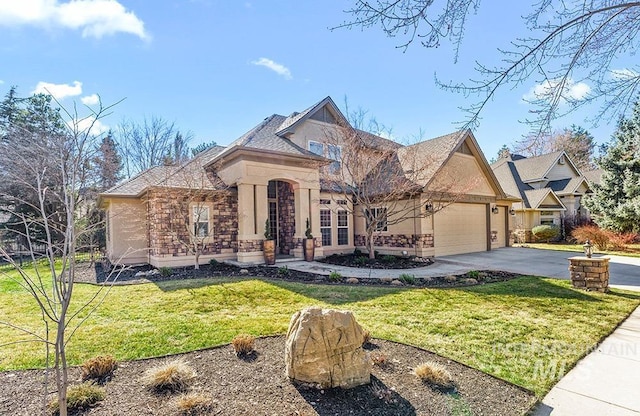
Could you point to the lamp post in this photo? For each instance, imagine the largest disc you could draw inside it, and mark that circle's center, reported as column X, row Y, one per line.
column 588, row 249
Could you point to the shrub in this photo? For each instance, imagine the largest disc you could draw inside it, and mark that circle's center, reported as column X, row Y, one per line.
column 172, row 376
column 366, row 337
column 621, row 241
column 360, row 261
column 213, row 262
column 79, row 397
column 473, row 274
column 378, row 358
column 450, row 279
column 335, row 276
column 596, row 235
column 545, row 232
column 243, row 344
column 165, row 271
column 388, row 258
column 383, row 393
column 408, row 279
column 99, row 368
column 283, row 271
column 433, row 373
column 357, row 252
column 193, row 404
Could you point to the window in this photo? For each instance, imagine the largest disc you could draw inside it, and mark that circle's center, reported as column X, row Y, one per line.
column 330, row 151
column 325, row 226
column 547, row 217
column 343, row 228
column 334, row 153
column 325, row 202
column 379, row 216
column 200, row 221
column 316, row 147
column 341, row 202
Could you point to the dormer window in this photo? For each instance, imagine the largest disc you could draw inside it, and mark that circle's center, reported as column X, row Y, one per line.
column 330, row 151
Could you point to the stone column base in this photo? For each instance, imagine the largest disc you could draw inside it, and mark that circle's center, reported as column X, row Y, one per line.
column 590, row 273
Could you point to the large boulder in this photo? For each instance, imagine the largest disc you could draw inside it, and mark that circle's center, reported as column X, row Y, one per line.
column 324, row 347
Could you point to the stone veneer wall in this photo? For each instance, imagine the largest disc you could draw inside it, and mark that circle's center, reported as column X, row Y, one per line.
column 523, row 236
column 590, row 273
column 398, row 240
column 168, row 215
column 286, row 217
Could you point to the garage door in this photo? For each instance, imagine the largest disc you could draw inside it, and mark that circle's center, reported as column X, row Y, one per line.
column 460, row 228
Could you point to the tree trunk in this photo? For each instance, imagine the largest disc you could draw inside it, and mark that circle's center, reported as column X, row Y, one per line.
column 372, row 253
column 197, row 254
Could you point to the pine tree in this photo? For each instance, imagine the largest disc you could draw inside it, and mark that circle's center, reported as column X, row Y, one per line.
column 615, row 203
column 107, row 164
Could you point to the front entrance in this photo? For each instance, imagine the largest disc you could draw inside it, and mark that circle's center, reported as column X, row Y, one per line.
column 282, row 215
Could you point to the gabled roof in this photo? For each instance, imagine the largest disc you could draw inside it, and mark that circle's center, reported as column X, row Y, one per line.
column 593, row 176
column 169, row 176
column 535, row 198
column 567, row 186
column 536, row 168
column 290, row 123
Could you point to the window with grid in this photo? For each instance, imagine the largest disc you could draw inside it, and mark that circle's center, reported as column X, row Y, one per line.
column 201, row 221
column 377, row 216
column 343, row 228
column 316, row 147
column 325, row 226
column 335, row 153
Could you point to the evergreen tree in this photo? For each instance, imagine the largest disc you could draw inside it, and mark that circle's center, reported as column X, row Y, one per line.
column 615, row 203
column 578, row 144
column 107, row 164
column 202, row 147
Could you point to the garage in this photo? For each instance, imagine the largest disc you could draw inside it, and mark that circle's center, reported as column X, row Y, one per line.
column 460, row 228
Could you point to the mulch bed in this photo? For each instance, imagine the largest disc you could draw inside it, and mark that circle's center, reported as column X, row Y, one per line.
column 260, row 387
column 380, row 262
column 96, row 274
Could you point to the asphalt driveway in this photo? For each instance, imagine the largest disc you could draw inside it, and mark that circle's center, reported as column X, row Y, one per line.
column 624, row 271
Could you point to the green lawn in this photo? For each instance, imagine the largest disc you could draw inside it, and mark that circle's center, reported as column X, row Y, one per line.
column 634, row 249
column 528, row 331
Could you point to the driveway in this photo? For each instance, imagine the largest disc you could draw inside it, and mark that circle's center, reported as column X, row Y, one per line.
column 623, row 271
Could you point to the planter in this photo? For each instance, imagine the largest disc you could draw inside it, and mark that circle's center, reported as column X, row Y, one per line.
column 309, row 249
column 269, row 248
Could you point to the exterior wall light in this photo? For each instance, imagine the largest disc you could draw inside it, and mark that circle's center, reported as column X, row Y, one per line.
column 588, row 249
column 512, row 211
column 428, row 207
column 495, row 209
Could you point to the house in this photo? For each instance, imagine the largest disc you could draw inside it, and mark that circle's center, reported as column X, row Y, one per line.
column 550, row 187
column 276, row 171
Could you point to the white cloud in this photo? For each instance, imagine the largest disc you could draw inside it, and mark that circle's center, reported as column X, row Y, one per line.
column 92, row 99
column 624, row 74
column 274, row 66
column 572, row 90
column 96, row 126
column 1, row 82
column 95, row 18
column 59, row 91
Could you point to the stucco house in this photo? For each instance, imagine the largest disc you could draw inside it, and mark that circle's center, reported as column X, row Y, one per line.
column 275, row 172
column 550, row 187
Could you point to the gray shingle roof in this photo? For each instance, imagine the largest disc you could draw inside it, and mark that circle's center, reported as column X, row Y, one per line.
column 532, row 168
column 593, row 176
column 137, row 184
column 535, row 197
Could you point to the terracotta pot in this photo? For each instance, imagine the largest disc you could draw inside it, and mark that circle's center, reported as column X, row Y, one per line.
column 269, row 248
column 309, row 249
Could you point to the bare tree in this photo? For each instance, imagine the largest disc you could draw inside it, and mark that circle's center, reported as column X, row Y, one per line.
column 154, row 142
column 45, row 166
column 386, row 182
column 570, row 43
column 190, row 195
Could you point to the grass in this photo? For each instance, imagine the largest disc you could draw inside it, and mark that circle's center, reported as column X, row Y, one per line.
column 633, row 251
column 433, row 373
column 79, row 396
column 529, row 330
column 172, row 376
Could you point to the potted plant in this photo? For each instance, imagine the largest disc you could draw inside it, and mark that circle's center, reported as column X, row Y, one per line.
column 269, row 245
column 309, row 244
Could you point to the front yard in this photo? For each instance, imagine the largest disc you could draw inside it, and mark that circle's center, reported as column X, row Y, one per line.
column 529, row 330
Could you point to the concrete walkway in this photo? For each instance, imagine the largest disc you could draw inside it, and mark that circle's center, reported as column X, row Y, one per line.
column 604, row 383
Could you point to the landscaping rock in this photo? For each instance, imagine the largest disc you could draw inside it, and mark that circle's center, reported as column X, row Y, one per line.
column 386, row 279
column 324, row 348
column 244, row 271
column 470, row 281
column 353, row 281
column 397, row 282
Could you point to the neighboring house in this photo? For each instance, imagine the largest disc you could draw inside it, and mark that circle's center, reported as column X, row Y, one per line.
column 274, row 172
column 550, row 187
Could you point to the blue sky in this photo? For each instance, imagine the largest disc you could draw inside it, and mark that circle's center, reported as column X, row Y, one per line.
column 217, row 68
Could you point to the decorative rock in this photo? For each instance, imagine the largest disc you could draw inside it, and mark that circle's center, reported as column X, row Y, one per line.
column 324, row 348
column 470, row 281
column 244, row 271
column 386, row 279
column 353, row 281
column 397, row 282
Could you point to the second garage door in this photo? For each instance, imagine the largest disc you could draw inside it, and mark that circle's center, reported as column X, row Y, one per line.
column 460, row 228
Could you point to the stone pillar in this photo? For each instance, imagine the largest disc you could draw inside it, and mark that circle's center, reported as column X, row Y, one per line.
column 301, row 196
column 590, row 273
column 315, row 221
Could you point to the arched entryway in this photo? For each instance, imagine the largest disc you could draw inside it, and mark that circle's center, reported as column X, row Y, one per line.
column 282, row 215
